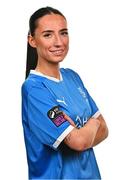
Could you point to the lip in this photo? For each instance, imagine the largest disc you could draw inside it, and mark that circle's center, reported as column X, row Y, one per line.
column 57, row 52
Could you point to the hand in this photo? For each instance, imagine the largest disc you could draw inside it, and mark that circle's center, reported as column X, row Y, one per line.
column 94, row 122
column 69, row 119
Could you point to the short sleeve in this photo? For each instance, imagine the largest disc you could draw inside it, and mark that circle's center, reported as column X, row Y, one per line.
column 94, row 109
column 45, row 118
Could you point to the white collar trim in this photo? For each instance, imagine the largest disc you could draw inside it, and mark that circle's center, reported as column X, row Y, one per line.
column 48, row 77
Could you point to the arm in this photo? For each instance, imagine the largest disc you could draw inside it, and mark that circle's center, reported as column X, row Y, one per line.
column 83, row 138
column 102, row 132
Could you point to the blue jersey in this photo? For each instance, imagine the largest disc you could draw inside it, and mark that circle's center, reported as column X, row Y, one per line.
column 43, row 101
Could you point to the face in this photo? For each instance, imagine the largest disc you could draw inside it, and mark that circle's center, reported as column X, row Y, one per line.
column 51, row 38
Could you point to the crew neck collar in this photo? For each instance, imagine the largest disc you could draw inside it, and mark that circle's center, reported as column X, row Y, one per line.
column 48, row 77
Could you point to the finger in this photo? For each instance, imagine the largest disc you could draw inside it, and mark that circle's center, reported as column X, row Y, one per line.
column 69, row 119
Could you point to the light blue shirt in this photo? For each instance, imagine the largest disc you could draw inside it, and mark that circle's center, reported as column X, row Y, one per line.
column 43, row 100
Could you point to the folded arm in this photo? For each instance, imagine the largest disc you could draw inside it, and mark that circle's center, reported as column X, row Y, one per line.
column 94, row 131
column 102, row 132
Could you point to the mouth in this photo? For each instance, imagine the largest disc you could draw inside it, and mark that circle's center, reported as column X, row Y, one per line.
column 57, row 52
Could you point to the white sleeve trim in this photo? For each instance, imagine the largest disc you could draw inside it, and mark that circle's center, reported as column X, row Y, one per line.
column 96, row 115
column 62, row 136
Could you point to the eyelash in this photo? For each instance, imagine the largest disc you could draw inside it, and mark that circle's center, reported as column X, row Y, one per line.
column 49, row 35
column 64, row 33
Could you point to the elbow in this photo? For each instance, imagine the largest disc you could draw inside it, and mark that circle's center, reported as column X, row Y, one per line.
column 83, row 145
column 78, row 141
column 81, row 148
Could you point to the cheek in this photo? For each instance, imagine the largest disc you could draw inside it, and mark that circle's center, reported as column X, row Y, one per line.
column 43, row 45
column 40, row 42
column 66, row 42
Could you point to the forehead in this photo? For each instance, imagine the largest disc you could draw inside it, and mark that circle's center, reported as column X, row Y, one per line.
column 51, row 22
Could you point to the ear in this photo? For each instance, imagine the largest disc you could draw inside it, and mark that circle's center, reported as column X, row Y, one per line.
column 31, row 41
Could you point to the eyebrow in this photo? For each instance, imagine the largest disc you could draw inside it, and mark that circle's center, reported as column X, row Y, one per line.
column 51, row 31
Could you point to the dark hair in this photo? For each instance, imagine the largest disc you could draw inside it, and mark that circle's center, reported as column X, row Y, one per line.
column 31, row 52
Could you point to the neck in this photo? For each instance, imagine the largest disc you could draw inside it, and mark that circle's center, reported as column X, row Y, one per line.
column 49, row 69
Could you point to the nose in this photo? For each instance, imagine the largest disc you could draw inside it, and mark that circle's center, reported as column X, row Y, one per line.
column 57, row 41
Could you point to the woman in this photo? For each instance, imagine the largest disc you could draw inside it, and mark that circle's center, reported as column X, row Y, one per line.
column 60, row 119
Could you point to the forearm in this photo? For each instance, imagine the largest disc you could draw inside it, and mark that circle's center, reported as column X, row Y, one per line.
column 83, row 138
column 89, row 132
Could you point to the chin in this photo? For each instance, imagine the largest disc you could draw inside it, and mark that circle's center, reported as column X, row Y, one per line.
column 57, row 60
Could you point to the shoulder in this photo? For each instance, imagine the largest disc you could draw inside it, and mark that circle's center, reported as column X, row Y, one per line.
column 69, row 72
column 72, row 74
column 32, row 83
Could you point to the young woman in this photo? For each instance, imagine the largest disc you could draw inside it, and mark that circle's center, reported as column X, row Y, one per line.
column 60, row 119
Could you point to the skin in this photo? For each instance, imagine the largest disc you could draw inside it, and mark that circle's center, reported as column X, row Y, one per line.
column 52, row 43
column 102, row 132
column 93, row 133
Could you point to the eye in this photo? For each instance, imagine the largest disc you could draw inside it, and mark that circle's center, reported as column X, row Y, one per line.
column 47, row 35
column 64, row 33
